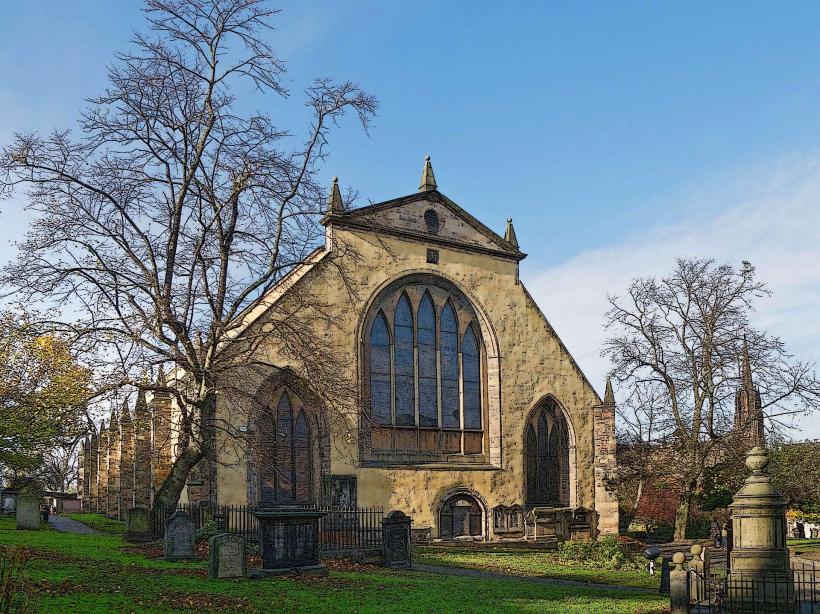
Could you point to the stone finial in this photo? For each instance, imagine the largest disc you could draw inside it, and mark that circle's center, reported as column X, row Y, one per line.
column 609, row 396
column 334, row 199
column 509, row 233
column 428, row 179
column 102, row 426
column 757, row 460
column 679, row 558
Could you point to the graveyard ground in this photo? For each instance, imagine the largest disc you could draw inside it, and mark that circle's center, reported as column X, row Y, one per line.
column 533, row 563
column 96, row 573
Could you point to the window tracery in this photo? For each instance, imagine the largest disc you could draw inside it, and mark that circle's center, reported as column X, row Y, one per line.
column 424, row 371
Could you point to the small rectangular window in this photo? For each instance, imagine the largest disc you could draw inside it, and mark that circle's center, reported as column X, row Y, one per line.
column 432, row 256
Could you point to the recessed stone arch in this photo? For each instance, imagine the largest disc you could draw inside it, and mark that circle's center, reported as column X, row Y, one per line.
column 457, row 493
column 568, row 453
column 304, row 402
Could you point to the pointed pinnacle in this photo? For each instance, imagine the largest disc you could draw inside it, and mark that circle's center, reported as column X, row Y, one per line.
column 334, row 200
column 141, row 405
column 509, row 234
column 609, row 396
column 125, row 413
column 747, row 366
column 428, row 179
column 161, row 376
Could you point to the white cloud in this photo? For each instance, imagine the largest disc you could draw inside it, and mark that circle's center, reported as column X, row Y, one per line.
column 770, row 218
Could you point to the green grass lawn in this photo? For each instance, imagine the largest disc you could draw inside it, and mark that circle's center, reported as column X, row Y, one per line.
column 100, row 522
column 82, row 573
column 801, row 546
column 525, row 562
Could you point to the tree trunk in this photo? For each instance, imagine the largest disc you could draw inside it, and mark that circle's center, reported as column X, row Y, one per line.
column 682, row 514
column 168, row 494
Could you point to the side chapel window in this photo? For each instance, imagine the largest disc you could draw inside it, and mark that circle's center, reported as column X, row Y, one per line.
column 286, row 466
column 546, row 454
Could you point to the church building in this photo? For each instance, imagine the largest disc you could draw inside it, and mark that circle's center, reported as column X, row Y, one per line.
column 470, row 409
column 463, row 409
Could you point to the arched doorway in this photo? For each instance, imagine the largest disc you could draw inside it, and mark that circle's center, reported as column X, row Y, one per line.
column 547, row 456
column 460, row 515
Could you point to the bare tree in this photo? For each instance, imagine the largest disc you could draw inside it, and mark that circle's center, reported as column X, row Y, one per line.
column 681, row 339
column 175, row 211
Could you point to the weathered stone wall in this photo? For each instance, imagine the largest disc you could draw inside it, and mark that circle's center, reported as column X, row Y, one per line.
column 142, row 452
column 161, row 440
column 606, row 503
column 94, row 471
column 119, row 466
column 531, row 360
column 114, row 453
column 126, row 462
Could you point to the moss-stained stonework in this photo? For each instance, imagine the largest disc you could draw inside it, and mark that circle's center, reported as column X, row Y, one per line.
column 524, row 362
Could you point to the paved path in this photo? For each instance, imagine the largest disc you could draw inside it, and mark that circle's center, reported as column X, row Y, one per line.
column 488, row 575
column 67, row 525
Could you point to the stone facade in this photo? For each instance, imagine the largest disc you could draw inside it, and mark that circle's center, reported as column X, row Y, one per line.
column 498, row 417
column 126, row 477
column 120, row 466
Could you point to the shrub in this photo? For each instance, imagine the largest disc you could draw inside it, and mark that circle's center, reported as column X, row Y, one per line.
column 13, row 562
column 208, row 529
column 607, row 552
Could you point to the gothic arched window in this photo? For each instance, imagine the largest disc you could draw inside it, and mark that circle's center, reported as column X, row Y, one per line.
column 428, row 369
column 472, row 380
column 286, row 458
column 449, row 368
column 380, row 404
column 546, row 455
column 405, row 371
column 424, row 371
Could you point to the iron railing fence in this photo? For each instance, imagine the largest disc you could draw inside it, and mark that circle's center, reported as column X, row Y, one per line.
column 341, row 529
column 738, row 593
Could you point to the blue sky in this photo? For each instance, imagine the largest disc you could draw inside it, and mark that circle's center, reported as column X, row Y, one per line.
column 617, row 135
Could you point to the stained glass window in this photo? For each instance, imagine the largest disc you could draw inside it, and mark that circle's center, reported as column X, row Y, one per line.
column 449, row 368
column 405, row 373
column 472, row 380
column 380, row 371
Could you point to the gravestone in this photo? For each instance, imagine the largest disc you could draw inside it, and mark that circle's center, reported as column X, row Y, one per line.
column 8, row 501
column 138, row 525
column 396, row 540
column 28, row 512
column 226, row 556
column 179, row 537
column 289, row 540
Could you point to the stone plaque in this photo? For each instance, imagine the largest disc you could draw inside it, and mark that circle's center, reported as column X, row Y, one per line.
column 396, row 540
column 138, row 525
column 179, row 537
column 226, row 556
column 28, row 512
